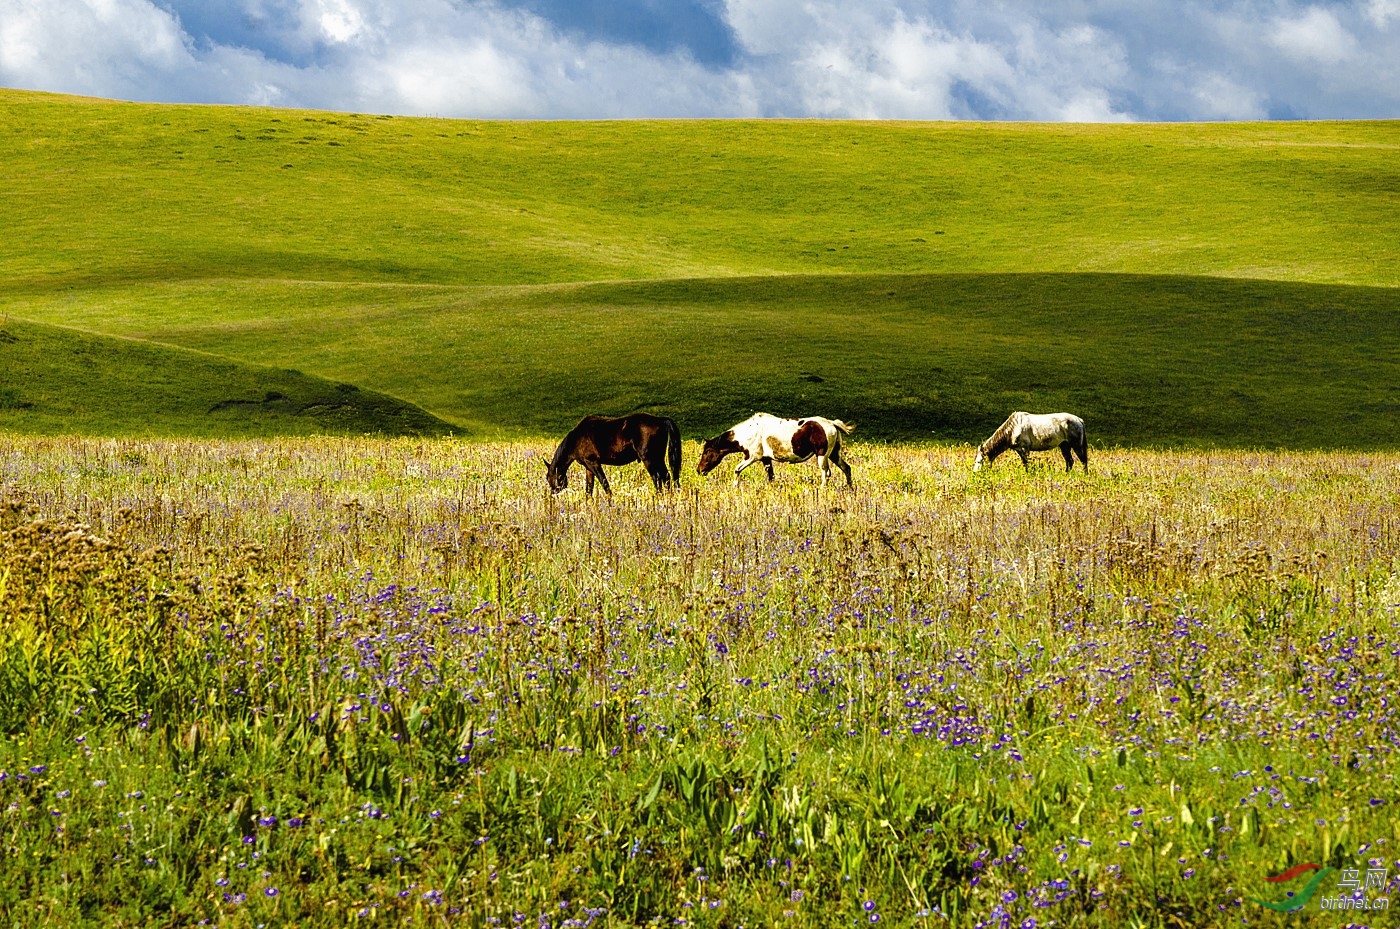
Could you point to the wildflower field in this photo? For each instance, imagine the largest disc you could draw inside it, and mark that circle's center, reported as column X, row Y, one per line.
column 331, row 682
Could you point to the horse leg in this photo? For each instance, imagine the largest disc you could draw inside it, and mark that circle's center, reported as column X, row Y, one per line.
column 647, row 458
column 1069, row 457
column 660, row 477
column 841, row 463
column 588, row 480
column 652, row 455
column 668, row 481
column 768, row 466
column 664, row 475
column 824, row 466
column 1025, row 458
column 595, row 470
column 742, row 465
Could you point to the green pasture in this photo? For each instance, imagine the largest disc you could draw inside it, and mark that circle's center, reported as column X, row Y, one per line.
column 1173, row 284
column 308, row 676
column 60, row 380
column 1146, row 360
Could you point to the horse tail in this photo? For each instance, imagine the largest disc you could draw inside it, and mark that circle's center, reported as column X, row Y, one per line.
column 673, row 449
column 1083, row 448
column 844, row 427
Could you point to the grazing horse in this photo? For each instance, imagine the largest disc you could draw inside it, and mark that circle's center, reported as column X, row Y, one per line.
column 603, row 440
column 1036, row 432
column 767, row 438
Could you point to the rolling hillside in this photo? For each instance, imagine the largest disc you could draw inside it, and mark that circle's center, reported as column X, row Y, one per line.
column 59, row 380
column 1227, row 284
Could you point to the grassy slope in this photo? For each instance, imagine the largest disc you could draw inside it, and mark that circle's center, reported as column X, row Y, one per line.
column 439, row 261
column 59, row 380
column 922, row 356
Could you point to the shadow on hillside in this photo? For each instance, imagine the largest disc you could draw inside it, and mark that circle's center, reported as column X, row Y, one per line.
column 1162, row 360
column 1145, row 360
column 59, row 380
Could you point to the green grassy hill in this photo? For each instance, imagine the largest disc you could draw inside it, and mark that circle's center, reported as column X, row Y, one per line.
column 1230, row 283
column 59, row 380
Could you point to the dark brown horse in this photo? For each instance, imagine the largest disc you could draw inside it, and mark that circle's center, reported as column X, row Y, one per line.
column 604, row 440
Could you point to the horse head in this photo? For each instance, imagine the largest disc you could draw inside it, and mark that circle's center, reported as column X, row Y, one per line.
column 710, row 456
column 714, row 450
column 558, row 478
column 981, row 457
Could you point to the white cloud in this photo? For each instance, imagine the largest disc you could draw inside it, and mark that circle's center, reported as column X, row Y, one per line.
column 771, row 27
column 887, row 59
column 1094, row 60
column 1314, row 35
column 1381, row 12
column 1214, row 96
column 496, row 63
column 339, row 20
column 86, row 46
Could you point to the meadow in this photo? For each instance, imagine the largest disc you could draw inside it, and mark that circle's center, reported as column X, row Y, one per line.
column 293, row 634
column 345, row 681
column 1197, row 285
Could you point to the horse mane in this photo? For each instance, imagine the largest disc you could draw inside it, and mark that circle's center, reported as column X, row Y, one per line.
column 1000, row 440
column 563, row 455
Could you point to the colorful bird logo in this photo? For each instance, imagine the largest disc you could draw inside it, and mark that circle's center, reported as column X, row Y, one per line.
column 1292, row 903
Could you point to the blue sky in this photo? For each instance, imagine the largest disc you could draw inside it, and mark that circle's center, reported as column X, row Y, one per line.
column 1085, row 60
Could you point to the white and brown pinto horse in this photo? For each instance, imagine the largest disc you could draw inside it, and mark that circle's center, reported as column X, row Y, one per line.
column 1024, row 433
column 767, row 438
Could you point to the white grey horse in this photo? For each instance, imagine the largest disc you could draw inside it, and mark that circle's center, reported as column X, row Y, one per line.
column 1036, row 432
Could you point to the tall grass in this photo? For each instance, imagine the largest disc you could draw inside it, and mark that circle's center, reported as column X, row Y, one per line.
column 334, row 681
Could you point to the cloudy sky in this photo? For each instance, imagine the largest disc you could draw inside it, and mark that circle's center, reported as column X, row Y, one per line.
column 1094, row 60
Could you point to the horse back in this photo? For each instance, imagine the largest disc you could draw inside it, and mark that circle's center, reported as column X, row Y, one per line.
column 641, row 429
column 753, row 433
column 602, row 439
column 1071, row 427
column 1039, row 431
